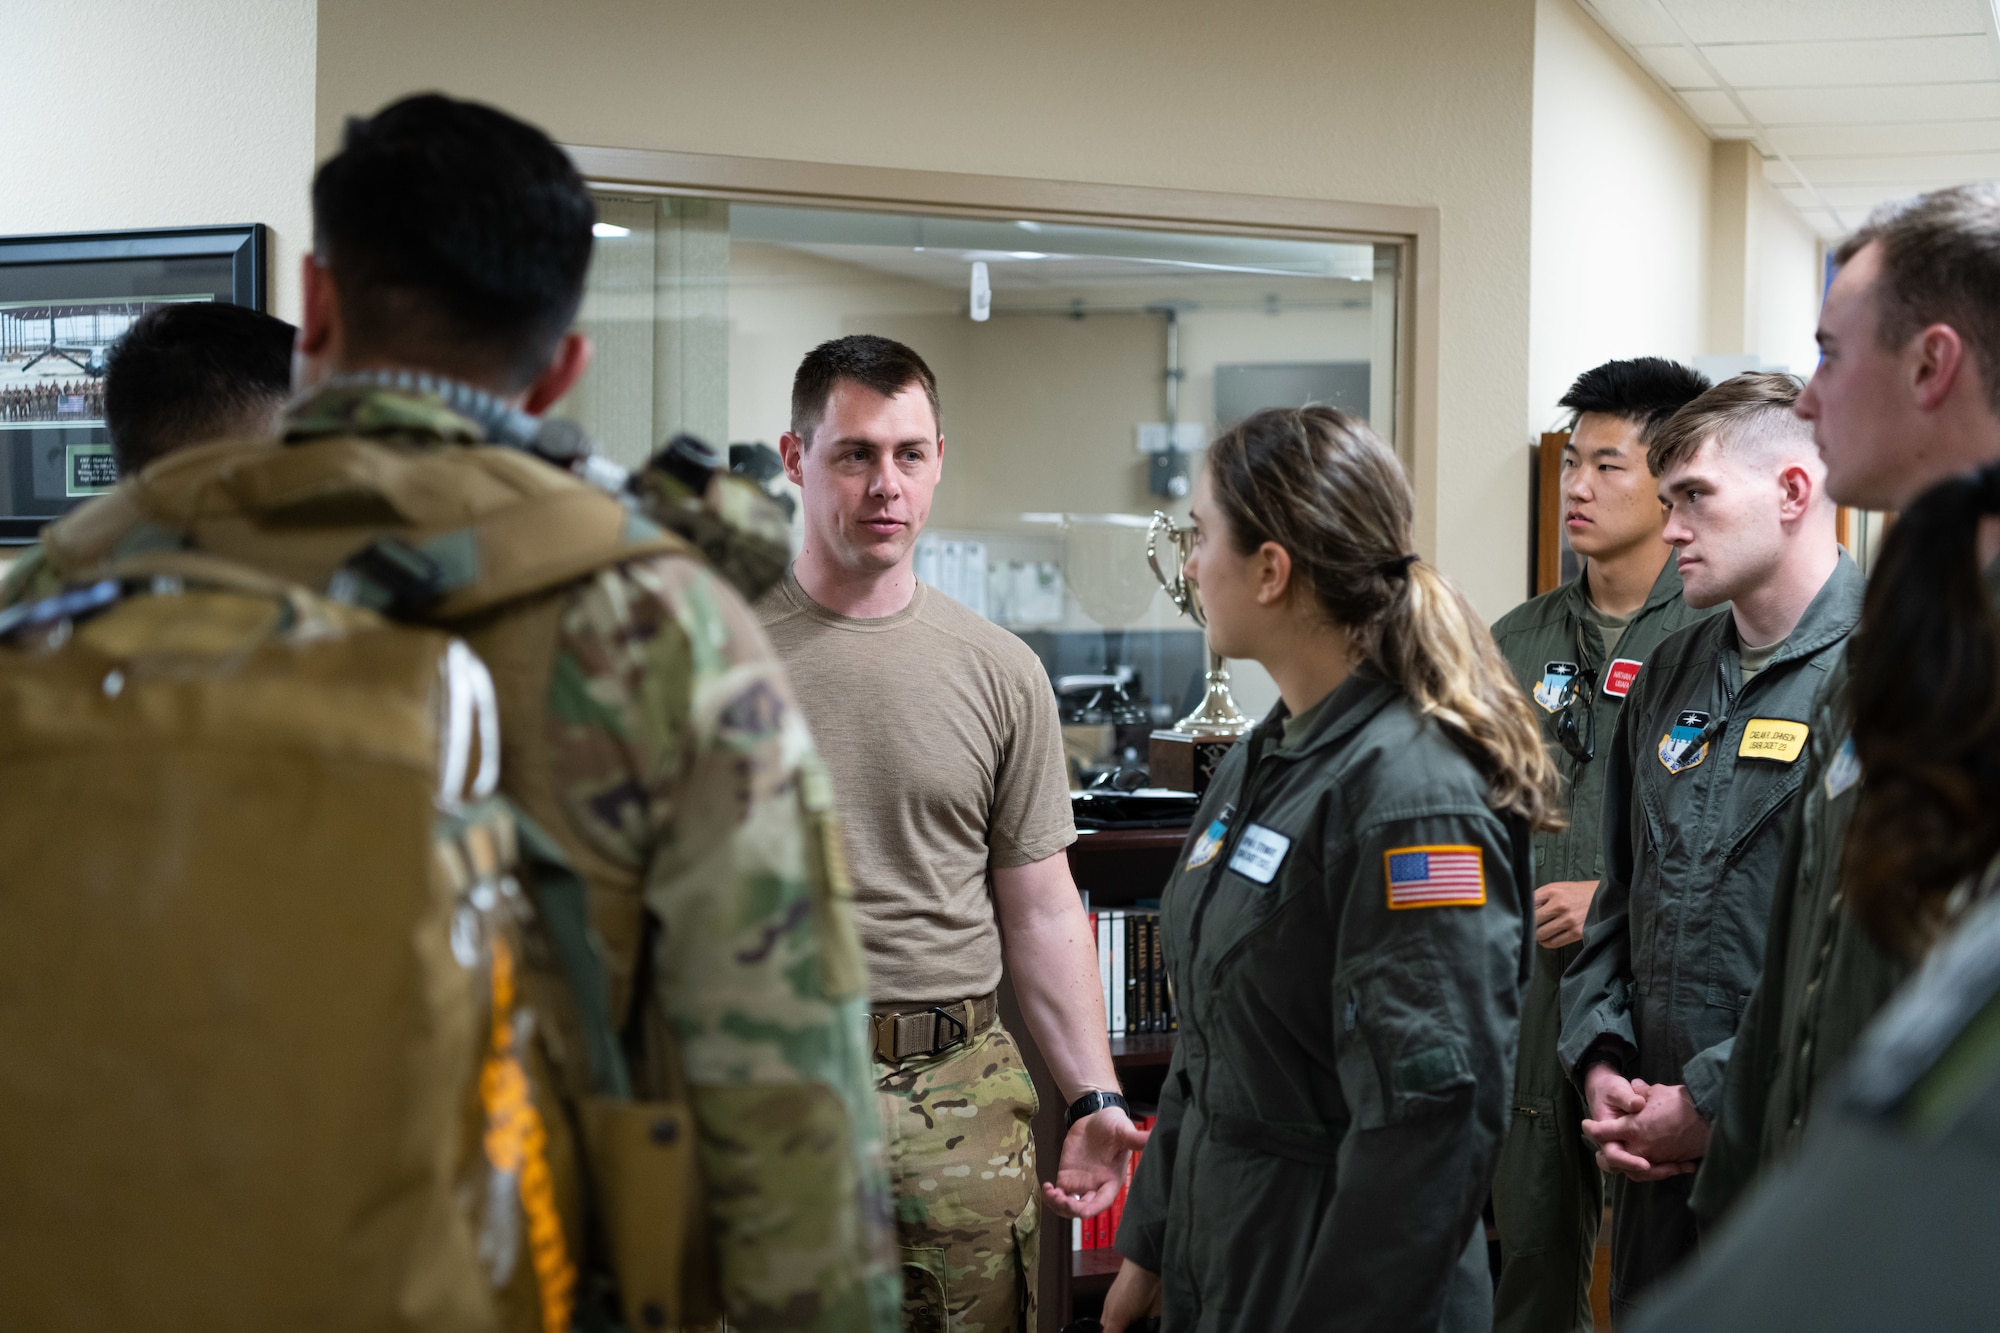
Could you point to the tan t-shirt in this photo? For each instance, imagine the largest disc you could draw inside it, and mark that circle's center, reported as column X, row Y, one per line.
column 939, row 728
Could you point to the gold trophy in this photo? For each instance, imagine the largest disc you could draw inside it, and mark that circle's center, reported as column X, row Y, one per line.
column 1185, row 757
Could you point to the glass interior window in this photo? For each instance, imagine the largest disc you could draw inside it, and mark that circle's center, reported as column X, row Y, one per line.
column 1081, row 371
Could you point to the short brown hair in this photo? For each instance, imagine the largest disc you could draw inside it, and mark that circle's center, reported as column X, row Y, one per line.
column 881, row 364
column 1748, row 409
column 1940, row 265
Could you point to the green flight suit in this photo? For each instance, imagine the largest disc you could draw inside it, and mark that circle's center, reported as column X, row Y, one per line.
column 1547, row 1195
column 1824, row 978
column 1701, row 775
column 1886, row 1216
column 1824, row 975
column 1345, row 934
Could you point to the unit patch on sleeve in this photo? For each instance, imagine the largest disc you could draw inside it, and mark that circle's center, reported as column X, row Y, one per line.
column 1618, row 677
column 1773, row 738
column 1209, row 845
column 1557, row 680
column 1447, row 876
column 1674, row 751
column 1844, row 771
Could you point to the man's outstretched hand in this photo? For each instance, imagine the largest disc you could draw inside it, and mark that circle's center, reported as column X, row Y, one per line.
column 1643, row 1131
column 1093, row 1163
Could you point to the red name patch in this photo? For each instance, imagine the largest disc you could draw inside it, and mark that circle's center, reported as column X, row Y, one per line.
column 1619, row 676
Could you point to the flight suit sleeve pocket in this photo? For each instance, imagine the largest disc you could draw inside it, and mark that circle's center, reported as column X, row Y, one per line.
column 1398, row 1053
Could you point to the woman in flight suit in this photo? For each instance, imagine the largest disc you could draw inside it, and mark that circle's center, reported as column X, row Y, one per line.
column 1345, row 930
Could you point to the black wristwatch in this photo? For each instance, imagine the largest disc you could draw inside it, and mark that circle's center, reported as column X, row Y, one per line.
column 1090, row 1104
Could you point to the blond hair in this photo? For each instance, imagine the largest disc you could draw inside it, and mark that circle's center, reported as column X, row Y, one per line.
column 1745, row 412
column 1316, row 481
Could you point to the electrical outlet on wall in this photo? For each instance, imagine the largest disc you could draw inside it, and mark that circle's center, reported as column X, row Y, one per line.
column 1189, row 437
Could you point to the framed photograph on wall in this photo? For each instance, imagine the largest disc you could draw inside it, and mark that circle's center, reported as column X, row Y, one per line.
column 64, row 300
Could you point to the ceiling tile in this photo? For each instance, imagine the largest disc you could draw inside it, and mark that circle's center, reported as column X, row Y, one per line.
column 1714, row 110
column 1961, row 136
column 1675, row 66
column 1854, row 201
column 1823, row 20
column 1852, row 106
column 1634, row 20
column 1885, row 60
column 1937, row 168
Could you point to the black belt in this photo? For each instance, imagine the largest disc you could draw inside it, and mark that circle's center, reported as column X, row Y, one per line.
column 905, row 1033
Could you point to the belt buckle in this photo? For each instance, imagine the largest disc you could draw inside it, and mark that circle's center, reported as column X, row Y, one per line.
column 940, row 1014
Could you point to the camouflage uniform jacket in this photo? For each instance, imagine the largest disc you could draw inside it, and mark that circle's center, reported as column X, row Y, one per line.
column 679, row 753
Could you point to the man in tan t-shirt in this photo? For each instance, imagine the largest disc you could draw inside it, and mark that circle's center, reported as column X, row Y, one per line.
column 940, row 731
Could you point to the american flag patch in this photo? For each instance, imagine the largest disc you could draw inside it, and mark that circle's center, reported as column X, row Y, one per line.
column 1434, row 877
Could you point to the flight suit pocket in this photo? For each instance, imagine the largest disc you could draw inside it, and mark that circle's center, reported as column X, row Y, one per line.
column 1524, row 1195
column 1398, row 1056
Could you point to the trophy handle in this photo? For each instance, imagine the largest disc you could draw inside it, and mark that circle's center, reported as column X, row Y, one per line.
column 1162, row 525
column 1184, row 595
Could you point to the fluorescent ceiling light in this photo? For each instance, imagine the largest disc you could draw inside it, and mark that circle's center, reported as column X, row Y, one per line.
column 609, row 229
column 1026, row 254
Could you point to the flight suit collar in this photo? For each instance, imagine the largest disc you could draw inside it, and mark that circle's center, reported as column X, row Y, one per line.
column 1828, row 618
column 1356, row 699
column 1577, row 607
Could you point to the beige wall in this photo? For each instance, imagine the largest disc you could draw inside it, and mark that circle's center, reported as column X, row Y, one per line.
column 133, row 113
column 1621, row 198
column 1789, row 281
column 1648, row 237
column 1381, row 101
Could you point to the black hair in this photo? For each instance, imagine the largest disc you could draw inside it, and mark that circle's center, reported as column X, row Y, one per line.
column 1924, row 686
column 1647, row 390
column 881, row 364
column 457, row 236
column 191, row 372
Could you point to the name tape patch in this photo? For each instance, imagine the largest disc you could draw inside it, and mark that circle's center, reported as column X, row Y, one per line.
column 1445, row 876
column 1259, row 852
column 1618, row 677
column 1773, row 738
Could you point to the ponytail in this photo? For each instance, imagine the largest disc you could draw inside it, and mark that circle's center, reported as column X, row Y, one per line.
column 1924, row 686
column 1317, row 482
column 1432, row 643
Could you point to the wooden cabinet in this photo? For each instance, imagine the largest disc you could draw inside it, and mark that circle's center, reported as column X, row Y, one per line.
column 1117, row 868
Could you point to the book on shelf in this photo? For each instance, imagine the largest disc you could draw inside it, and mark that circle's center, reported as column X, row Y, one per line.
column 1132, row 971
column 1099, row 1232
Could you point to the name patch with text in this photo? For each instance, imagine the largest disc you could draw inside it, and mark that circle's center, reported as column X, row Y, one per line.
column 1259, row 853
column 1773, row 738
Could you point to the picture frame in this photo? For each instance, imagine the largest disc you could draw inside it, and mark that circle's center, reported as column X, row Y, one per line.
column 64, row 300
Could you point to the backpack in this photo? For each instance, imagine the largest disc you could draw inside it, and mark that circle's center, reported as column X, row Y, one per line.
column 304, row 1026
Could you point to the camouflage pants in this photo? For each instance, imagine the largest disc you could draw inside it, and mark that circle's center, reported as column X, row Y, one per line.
column 962, row 1170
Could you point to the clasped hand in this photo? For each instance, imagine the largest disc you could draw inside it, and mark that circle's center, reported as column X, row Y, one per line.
column 1643, row 1131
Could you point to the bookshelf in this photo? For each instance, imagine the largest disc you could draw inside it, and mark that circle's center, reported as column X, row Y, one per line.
column 1117, row 868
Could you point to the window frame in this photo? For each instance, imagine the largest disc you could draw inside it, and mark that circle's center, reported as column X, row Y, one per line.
column 1412, row 229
